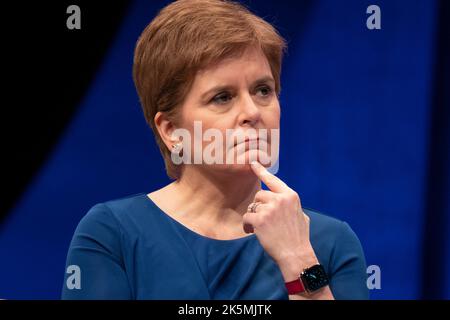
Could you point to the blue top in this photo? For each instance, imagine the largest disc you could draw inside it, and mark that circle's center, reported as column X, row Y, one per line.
column 130, row 249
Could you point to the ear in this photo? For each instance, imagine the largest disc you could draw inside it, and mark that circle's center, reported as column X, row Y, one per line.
column 165, row 128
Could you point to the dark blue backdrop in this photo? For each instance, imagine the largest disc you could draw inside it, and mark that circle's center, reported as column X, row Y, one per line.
column 356, row 143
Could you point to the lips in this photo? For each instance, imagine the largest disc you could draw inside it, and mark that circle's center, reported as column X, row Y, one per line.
column 251, row 144
column 249, row 140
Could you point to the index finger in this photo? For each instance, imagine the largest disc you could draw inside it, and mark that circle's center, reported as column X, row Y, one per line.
column 274, row 183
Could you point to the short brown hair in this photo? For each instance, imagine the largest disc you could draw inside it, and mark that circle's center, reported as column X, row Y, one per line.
column 186, row 36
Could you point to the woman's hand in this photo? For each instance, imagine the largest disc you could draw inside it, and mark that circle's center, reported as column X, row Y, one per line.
column 281, row 226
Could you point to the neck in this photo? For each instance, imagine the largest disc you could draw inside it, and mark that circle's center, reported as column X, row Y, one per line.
column 221, row 197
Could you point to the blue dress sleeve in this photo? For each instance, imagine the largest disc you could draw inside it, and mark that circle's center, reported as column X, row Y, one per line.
column 94, row 267
column 349, row 277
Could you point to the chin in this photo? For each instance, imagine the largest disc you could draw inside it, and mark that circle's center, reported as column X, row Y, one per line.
column 248, row 156
column 235, row 170
column 241, row 163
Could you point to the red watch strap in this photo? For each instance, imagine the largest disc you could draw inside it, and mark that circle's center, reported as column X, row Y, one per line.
column 294, row 287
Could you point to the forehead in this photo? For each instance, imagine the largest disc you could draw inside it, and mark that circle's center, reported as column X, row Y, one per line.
column 249, row 65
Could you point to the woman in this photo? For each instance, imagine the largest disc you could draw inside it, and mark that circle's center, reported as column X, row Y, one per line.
column 213, row 233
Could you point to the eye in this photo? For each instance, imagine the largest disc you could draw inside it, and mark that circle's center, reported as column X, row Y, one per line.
column 222, row 98
column 264, row 91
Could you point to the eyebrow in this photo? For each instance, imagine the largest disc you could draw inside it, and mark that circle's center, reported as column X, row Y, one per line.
column 228, row 87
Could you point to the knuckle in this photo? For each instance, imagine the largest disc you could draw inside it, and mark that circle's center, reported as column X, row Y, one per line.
column 263, row 218
column 285, row 198
column 247, row 218
column 259, row 194
column 262, row 222
column 271, row 208
column 306, row 217
column 277, row 200
column 293, row 196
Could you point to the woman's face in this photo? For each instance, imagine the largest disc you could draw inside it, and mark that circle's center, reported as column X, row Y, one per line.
column 235, row 98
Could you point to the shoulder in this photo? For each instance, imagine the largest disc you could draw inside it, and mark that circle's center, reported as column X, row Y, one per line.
column 119, row 209
column 323, row 223
column 333, row 238
column 112, row 209
column 110, row 219
column 105, row 226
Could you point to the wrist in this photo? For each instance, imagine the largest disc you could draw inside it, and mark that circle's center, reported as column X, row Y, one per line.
column 292, row 265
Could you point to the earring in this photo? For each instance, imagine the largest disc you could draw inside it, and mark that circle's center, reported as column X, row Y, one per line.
column 176, row 148
column 176, row 153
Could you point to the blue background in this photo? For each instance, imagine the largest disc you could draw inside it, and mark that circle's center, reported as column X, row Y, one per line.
column 356, row 134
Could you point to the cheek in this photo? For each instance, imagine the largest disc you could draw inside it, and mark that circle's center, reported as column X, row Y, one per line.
column 271, row 116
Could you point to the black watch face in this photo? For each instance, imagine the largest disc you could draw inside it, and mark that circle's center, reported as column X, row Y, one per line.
column 314, row 278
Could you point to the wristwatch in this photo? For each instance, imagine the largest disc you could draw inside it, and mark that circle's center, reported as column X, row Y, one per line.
column 310, row 280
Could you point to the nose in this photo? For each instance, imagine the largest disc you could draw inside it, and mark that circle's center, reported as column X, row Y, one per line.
column 249, row 112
